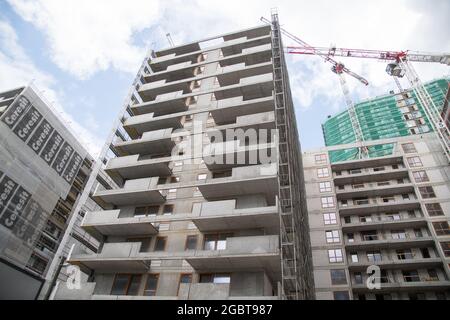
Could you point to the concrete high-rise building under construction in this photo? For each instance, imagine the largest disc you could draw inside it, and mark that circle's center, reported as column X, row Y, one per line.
column 196, row 216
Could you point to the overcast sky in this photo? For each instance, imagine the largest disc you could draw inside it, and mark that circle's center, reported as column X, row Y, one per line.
column 83, row 54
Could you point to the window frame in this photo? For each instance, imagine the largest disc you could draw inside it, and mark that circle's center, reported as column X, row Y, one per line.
column 129, row 281
column 337, row 258
column 330, row 219
column 323, row 172
column 325, row 186
column 156, row 243
column 187, row 241
column 156, row 275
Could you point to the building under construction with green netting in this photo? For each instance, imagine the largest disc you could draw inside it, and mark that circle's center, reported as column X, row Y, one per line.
column 388, row 116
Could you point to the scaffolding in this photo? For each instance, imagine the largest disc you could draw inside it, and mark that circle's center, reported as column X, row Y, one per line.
column 296, row 259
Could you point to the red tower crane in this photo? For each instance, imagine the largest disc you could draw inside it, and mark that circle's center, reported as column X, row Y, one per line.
column 399, row 66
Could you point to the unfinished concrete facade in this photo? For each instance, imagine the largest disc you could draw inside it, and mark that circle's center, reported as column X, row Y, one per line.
column 182, row 225
column 391, row 211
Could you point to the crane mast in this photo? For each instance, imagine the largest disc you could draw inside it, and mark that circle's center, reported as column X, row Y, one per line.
column 338, row 68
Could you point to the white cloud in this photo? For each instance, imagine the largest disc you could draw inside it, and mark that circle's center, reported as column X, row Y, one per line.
column 17, row 69
column 87, row 36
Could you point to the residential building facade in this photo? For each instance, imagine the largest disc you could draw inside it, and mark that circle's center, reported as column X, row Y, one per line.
column 388, row 212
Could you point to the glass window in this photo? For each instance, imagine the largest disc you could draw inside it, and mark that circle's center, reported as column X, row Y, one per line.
column 420, row 176
column 341, row 295
column 418, row 233
column 410, row 276
column 409, row 148
column 432, row 275
column 427, row 192
column 216, row 241
column 168, row 209
column 374, row 256
column 160, row 244
column 446, row 248
column 126, row 284
column 215, row 278
column 332, row 236
column 325, row 186
column 369, row 235
column 398, row 234
column 335, row 255
column 320, row 158
column 151, row 285
column 184, row 278
column 146, row 211
column 404, row 254
column 338, row 276
column 329, row 218
column 323, row 173
column 120, row 284
column 191, row 242
column 327, row 202
column 354, row 257
column 358, row 278
column 441, row 228
column 434, row 209
column 414, row 162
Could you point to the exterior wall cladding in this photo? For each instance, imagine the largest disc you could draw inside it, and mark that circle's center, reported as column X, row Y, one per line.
column 390, row 211
column 392, row 115
column 31, row 233
column 181, row 227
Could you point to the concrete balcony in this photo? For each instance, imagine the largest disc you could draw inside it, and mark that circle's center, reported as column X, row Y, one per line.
column 390, row 243
column 204, row 291
column 231, row 47
column 213, row 291
column 240, row 45
column 373, row 190
column 405, row 286
column 385, row 224
column 223, row 215
column 136, row 126
column 256, row 121
column 134, row 192
column 242, row 254
column 128, row 298
column 260, row 179
column 379, row 207
column 185, row 70
column 218, row 156
column 396, row 264
column 62, row 292
column 151, row 142
column 226, row 76
column 236, row 73
column 114, row 257
column 367, row 163
column 150, row 91
column 163, row 104
column 250, row 87
column 136, row 166
column 108, row 223
column 227, row 110
column 368, row 175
